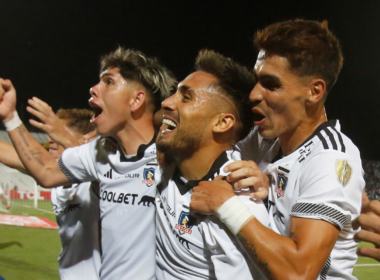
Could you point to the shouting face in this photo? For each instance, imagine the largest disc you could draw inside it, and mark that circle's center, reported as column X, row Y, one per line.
column 188, row 114
column 110, row 102
column 279, row 97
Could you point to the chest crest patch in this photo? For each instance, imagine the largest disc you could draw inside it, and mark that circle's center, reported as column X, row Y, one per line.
column 149, row 177
column 185, row 223
column 343, row 172
column 282, row 182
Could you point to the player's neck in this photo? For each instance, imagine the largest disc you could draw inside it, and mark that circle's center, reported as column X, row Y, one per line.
column 198, row 165
column 135, row 134
column 289, row 142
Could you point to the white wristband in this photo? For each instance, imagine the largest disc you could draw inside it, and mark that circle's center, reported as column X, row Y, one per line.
column 13, row 123
column 234, row 214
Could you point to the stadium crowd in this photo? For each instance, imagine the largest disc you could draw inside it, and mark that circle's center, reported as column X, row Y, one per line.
column 202, row 177
column 372, row 178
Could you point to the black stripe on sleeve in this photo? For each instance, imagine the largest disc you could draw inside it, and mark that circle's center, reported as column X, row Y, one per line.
column 323, row 140
column 324, row 212
column 325, row 269
column 340, row 139
column 67, row 172
column 332, row 139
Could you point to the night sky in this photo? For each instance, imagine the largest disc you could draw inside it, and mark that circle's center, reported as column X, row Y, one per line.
column 51, row 49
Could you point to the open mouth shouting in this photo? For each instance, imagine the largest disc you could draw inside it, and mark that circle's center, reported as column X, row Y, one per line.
column 167, row 126
column 97, row 112
column 258, row 117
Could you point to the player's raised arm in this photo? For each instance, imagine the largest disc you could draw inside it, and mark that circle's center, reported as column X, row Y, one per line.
column 35, row 158
column 9, row 157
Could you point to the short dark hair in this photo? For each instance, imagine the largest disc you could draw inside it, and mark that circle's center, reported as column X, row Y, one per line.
column 309, row 46
column 136, row 66
column 236, row 82
column 78, row 119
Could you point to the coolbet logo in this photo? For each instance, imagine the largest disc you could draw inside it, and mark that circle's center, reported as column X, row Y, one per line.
column 282, row 181
column 149, row 177
column 183, row 225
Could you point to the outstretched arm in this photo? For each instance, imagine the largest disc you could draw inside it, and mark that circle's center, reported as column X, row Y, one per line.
column 9, row 157
column 43, row 167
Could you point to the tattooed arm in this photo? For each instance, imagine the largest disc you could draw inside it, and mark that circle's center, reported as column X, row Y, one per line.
column 41, row 165
column 302, row 255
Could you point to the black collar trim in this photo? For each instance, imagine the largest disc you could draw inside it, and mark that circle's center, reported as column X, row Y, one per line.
column 215, row 168
column 330, row 123
column 140, row 151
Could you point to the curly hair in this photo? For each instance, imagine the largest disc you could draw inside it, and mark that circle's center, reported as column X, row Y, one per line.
column 78, row 119
column 309, row 46
column 136, row 66
column 235, row 81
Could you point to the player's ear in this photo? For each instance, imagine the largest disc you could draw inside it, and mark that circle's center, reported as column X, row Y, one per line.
column 317, row 91
column 223, row 122
column 137, row 100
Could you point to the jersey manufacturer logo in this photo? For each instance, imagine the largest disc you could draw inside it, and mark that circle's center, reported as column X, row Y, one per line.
column 108, row 174
column 282, row 182
column 343, row 172
column 149, row 177
column 184, row 225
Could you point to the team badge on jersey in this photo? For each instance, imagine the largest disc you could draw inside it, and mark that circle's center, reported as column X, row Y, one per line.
column 184, row 223
column 343, row 172
column 282, row 181
column 149, row 176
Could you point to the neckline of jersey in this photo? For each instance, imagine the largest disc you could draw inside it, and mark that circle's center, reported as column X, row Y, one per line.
column 329, row 123
column 185, row 187
column 140, row 150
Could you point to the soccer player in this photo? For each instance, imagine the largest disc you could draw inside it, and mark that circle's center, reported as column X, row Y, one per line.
column 207, row 115
column 131, row 88
column 76, row 206
column 316, row 178
column 3, row 199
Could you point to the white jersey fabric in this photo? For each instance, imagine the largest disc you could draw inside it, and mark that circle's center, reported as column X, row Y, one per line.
column 322, row 179
column 199, row 248
column 127, row 206
column 77, row 210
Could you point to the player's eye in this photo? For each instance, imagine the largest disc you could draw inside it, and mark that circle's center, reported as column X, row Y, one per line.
column 109, row 82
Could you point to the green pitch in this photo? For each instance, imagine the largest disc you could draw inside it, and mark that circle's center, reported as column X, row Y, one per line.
column 31, row 254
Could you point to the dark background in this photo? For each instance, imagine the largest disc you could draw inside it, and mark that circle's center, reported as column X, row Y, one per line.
column 51, row 49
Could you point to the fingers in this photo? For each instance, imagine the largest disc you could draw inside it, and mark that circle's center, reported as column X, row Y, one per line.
column 37, row 114
column 38, row 125
column 374, row 206
column 219, row 178
column 261, row 193
column 368, row 222
column 40, row 106
column 5, row 86
column 239, row 164
column 368, row 236
column 373, row 253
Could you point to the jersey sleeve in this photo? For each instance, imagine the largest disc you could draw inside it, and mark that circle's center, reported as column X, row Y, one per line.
column 228, row 256
column 331, row 185
column 78, row 163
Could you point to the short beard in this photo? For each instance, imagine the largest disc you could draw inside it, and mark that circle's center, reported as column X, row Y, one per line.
column 182, row 146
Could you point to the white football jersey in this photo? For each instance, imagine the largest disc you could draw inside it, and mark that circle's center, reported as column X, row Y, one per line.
column 322, row 179
column 77, row 210
column 199, row 248
column 127, row 205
